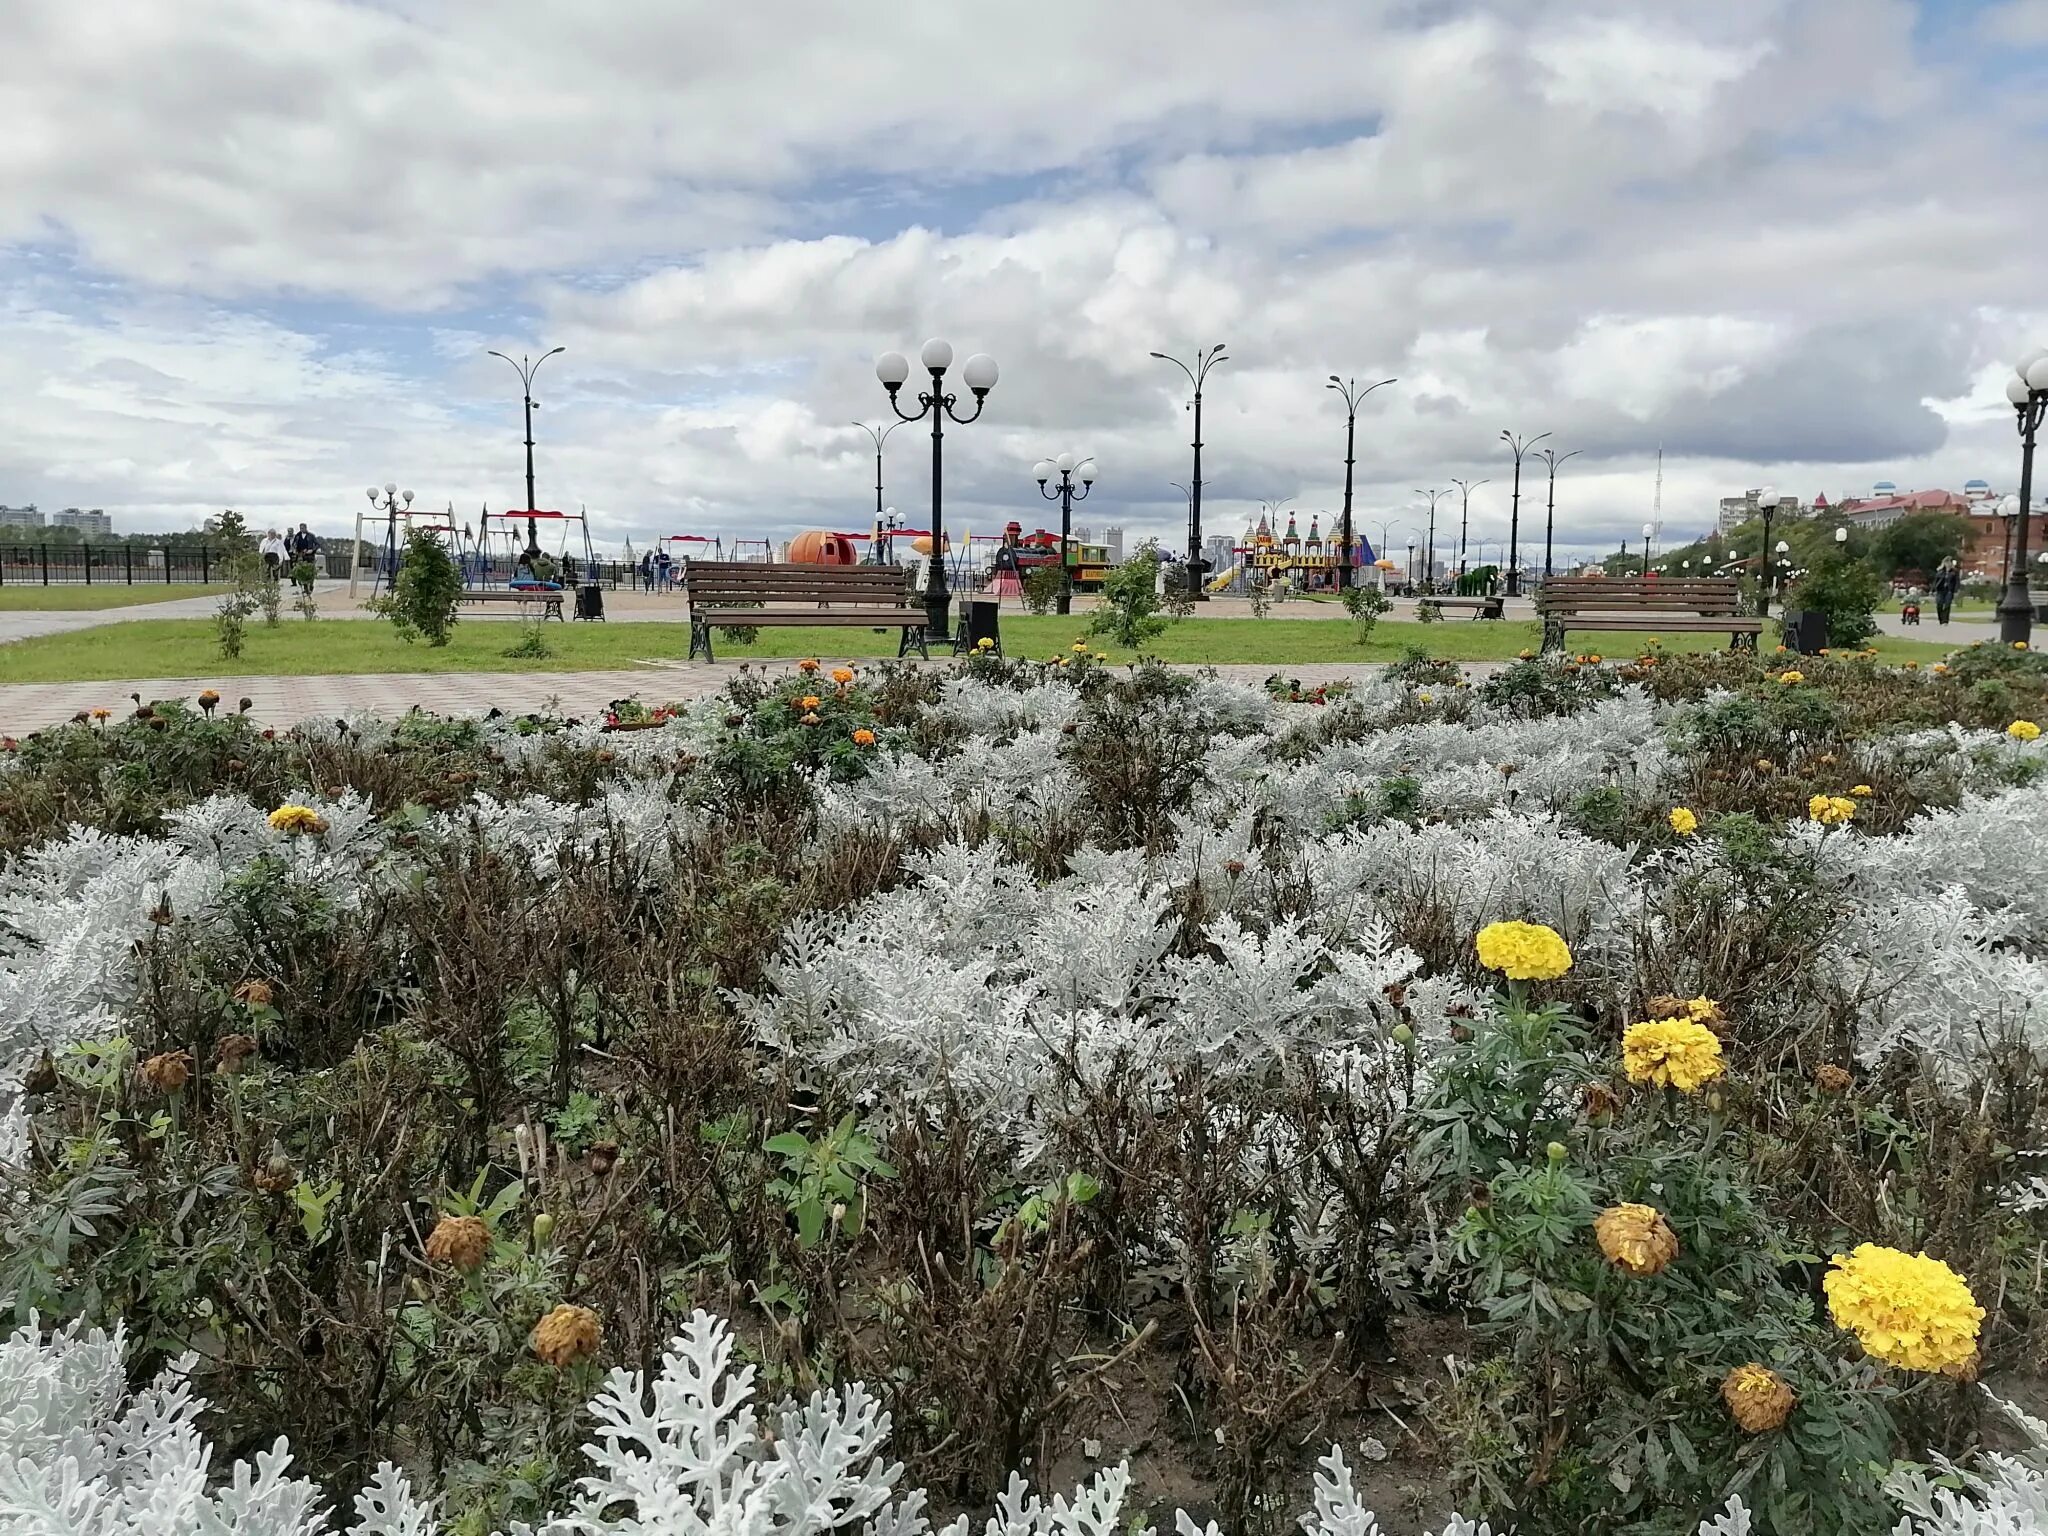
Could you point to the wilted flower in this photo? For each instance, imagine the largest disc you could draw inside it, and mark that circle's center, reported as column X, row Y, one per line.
column 168, row 1071
column 459, row 1241
column 808, row 664
column 1635, row 1239
column 566, row 1335
column 1599, row 1102
column 1683, row 821
column 1671, row 1053
column 1523, row 951
column 1906, row 1309
column 1758, row 1399
column 294, row 820
column 1829, row 1078
column 256, row 994
column 810, row 719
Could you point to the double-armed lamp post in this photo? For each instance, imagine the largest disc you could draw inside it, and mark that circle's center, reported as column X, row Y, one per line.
column 979, row 374
column 1069, row 469
column 1348, row 388
column 1552, row 458
column 2028, row 392
column 1518, row 446
column 1465, row 490
column 526, row 371
column 1205, row 359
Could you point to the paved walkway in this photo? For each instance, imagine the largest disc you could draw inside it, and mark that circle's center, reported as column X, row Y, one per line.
column 283, row 701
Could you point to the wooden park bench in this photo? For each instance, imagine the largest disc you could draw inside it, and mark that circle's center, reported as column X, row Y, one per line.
column 753, row 595
column 549, row 599
column 1494, row 607
column 1658, row 605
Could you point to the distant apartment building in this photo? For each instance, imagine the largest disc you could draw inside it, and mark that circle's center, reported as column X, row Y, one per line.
column 1737, row 510
column 20, row 517
column 94, row 524
column 1113, row 541
column 1875, row 512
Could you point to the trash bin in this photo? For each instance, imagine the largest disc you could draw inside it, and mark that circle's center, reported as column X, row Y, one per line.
column 590, row 602
column 978, row 623
column 1806, row 632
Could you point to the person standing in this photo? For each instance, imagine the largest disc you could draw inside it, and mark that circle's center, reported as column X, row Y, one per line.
column 1948, row 578
column 272, row 550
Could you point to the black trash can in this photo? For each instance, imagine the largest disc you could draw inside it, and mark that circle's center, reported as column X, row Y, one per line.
column 590, row 602
column 1806, row 632
column 977, row 622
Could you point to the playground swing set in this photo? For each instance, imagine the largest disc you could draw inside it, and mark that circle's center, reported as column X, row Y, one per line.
column 531, row 574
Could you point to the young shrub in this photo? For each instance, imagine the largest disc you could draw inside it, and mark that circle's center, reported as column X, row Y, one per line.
column 423, row 601
column 1129, row 614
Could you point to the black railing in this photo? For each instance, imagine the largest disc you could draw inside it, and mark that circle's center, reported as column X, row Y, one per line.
column 113, row 565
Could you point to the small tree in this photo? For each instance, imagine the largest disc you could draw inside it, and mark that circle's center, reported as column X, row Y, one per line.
column 1847, row 591
column 423, row 600
column 1365, row 602
column 1129, row 614
column 1041, row 588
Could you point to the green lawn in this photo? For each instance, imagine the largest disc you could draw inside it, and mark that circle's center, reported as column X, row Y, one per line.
column 72, row 599
column 185, row 647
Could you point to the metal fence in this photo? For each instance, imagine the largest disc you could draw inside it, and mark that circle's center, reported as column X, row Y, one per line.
column 134, row 565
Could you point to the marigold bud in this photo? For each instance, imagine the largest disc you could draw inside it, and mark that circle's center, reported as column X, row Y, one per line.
column 543, row 1229
column 460, row 1242
column 1556, row 1152
column 1403, row 1036
column 567, row 1335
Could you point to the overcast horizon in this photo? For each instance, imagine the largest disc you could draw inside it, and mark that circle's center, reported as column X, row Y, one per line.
column 257, row 251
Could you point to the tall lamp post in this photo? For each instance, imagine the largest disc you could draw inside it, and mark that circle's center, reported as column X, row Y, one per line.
column 526, row 372
column 1205, row 359
column 1465, row 490
column 1069, row 469
column 979, row 372
column 1429, row 547
column 393, row 503
column 1352, row 394
column 1649, row 532
column 1518, row 446
column 2028, row 392
column 1553, row 458
column 881, row 436
column 1767, row 503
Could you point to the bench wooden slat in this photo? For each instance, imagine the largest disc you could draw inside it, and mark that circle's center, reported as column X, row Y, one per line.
column 1698, row 605
column 736, row 595
column 1734, row 624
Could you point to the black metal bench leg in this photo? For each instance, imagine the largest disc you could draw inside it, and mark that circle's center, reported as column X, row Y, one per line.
column 700, row 639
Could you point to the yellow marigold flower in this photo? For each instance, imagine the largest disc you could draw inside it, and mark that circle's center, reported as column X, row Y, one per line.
column 1672, row 1053
column 1862, row 791
column 1941, row 667
column 566, row 1335
column 984, row 644
column 2023, row 730
column 842, row 675
column 460, row 1241
column 863, row 737
column 2019, row 645
column 1635, row 1239
column 1080, row 647
column 1523, row 951
column 293, row 820
column 1758, row 1399
column 1425, row 698
column 1905, row 1308
column 1528, row 655
column 1791, row 675
column 1830, row 810
column 1683, row 822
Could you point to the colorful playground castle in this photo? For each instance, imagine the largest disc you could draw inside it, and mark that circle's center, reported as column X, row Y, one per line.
column 1309, row 564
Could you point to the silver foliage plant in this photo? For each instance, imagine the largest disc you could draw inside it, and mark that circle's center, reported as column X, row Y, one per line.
column 684, row 1453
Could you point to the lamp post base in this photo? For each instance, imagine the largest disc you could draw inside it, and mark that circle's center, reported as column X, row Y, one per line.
column 938, row 614
column 2016, row 614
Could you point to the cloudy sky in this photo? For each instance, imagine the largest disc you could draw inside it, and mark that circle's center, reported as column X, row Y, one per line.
column 255, row 251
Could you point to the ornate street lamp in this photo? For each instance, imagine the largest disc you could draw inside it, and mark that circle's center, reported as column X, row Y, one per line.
column 1069, row 469
column 1553, row 458
column 1205, row 359
column 1649, row 532
column 1352, row 394
column 526, row 371
column 1465, row 490
column 979, row 372
column 393, row 503
column 2028, row 392
column 1518, row 446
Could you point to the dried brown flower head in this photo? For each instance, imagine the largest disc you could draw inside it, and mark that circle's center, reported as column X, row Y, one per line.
column 1829, row 1078
column 566, row 1335
column 604, row 1156
column 459, row 1241
column 168, row 1071
column 1758, row 1399
column 276, row 1175
column 1635, row 1239
column 233, row 1053
column 1599, row 1102
column 256, row 994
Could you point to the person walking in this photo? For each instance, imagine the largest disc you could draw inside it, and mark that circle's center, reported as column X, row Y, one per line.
column 1948, row 578
column 272, row 550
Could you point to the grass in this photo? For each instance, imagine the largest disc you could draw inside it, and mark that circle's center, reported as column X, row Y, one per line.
column 79, row 598
column 146, row 648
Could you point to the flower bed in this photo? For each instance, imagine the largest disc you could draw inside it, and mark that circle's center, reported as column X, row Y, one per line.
column 1130, row 1075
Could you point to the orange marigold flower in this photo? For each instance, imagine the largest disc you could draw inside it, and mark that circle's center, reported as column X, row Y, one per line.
column 842, row 675
column 459, row 1241
column 567, row 1335
column 863, row 737
column 808, row 664
column 1635, row 1239
column 808, row 701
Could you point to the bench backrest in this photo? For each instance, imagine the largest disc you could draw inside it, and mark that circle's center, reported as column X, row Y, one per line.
column 743, row 583
column 1625, row 594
